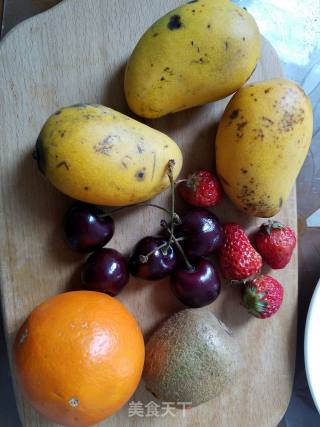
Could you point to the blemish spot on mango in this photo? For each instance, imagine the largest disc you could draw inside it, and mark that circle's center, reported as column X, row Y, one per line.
column 74, row 402
column 140, row 175
column 259, row 134
column 240, row 127
column 155, row 34
column 234, row 114
column 64, row 164
column 140, row 148
column 280, row 202
column 86, row 188
column 289, row 120
column 226, row 45
column 153, row 165
column 125, row 160
column 267, row 90
column 169, row 71
column 266, row 122
column 57, row 113
column 106, row 145
column 174, row 22
column 199, row 61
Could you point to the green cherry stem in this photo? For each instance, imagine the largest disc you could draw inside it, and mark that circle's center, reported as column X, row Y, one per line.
column 180, row 181
column 152, row 205
column 171, row 165
column 145, row 258
column 176, row 241
column 187, row 262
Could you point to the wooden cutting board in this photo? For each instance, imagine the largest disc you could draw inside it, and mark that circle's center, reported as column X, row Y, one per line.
column 76, row 53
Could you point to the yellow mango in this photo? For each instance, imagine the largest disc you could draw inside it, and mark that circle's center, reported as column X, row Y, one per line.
column 198, row 53
column 262, row 141
column 95, row 154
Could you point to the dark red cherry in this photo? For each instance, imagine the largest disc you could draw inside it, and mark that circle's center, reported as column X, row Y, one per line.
column 158, row 265
column 198, row 286
column 87, row 228
column 105, row 270
column 202, row 231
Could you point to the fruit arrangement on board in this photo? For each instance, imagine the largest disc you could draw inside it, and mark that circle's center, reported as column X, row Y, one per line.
column 80, row 355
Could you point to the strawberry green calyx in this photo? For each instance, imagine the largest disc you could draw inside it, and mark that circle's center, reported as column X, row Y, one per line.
column 201, row 189
column 263, row 296
column 193, row 182
column 254, row 301
column 271, row 225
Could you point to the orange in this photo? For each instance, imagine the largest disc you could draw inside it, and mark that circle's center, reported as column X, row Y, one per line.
column 79, row 357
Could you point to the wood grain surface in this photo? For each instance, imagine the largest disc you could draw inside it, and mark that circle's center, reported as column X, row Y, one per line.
column 75, row 53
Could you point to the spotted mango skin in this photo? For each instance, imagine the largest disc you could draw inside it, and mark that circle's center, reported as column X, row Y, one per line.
column 98, row 155
column 198, row 53
column 262, row 141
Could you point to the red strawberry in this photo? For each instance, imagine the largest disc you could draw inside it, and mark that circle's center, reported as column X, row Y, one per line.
column 238, row 258
column 275, row 243
column 263, row 296
column 201, row 189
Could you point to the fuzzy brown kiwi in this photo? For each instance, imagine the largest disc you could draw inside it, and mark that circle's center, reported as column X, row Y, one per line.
column 191, row 358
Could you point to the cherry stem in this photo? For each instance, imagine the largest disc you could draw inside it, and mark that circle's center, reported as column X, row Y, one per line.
column 171, row 164
column 164, row 225
column 180, row 181
column 152, row 205
column 187, row 262
column 145, row 258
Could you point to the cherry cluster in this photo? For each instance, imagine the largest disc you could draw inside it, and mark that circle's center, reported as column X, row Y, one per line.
column 180, row 250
